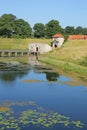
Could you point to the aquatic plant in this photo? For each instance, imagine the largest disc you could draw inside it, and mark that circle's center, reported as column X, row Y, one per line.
column 10, row 119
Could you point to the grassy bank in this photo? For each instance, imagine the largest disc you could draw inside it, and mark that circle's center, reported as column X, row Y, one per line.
column 66, row 66
column 71, row 57
column 72, row 51
column 22, row 44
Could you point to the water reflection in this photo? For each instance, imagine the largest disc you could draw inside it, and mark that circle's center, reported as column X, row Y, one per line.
column 12, row 75
column 50, row 76
column 51, row 105
column 22, row 70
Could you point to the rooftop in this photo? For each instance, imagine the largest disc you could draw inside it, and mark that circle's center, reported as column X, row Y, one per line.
column 57, row 35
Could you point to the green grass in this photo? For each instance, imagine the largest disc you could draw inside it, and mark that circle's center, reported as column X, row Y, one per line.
column 22, row 44
column 66, row 66
column 71, row 51
column 71, row 57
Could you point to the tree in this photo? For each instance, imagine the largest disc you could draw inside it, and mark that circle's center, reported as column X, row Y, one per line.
column 22, row 29
column 79, row 30
column 10, row 26
column 51, row 28
column 84, row 31
column 69, row 30
column 39, row 29
column 7, row 25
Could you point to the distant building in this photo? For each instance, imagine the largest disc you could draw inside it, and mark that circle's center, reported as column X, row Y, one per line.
column 77, row 37
column 57, row 40
column 39, row 48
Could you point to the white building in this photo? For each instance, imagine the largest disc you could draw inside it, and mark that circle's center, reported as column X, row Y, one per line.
column 39, row 47
column 57, row 40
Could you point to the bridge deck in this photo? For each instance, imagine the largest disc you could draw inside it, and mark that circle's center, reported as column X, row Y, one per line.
column 13, row 53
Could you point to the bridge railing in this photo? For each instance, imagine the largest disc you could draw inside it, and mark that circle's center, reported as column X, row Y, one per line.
column 4, row 53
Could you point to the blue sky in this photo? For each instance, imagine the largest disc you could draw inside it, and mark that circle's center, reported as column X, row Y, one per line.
column 67, row 12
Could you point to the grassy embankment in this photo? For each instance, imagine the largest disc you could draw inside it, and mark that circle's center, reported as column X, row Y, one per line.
column 21, row 44
column 71, row 57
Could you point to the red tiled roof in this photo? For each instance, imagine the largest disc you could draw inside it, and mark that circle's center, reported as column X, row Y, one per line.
column 57, row 35
column 85, row 36
column 72, row 37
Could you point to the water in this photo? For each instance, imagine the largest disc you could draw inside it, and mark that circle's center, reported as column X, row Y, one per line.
column 40, row 99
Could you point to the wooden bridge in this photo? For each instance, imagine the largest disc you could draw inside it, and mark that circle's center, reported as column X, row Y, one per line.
column 13, row 53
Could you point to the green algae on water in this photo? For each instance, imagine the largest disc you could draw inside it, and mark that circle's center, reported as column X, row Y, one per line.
column 10, row 119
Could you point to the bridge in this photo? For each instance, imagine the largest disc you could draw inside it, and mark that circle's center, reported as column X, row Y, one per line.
column 14, row 53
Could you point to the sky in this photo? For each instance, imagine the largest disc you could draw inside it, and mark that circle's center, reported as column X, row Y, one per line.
column 67, row 12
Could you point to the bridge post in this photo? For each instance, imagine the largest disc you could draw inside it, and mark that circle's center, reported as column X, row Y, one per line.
column 3, row 53
column 16, row 54
column 9, row 53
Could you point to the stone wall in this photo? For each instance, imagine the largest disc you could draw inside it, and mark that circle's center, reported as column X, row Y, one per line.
column 40, row 47
column 58, row 42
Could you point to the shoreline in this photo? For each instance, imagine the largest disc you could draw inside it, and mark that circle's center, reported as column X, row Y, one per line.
column 65, row 66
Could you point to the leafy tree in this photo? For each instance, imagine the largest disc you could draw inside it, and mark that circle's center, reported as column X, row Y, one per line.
column 84, row 31
column 22, row 29
column 65, row 37
column 10, row 26
column 69, row 30
column 79, row 30
column 7, row 25
column 51, row 28
column 39, row 30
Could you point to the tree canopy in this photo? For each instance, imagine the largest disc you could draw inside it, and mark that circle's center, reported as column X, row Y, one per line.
column 69, row 30
column 52, row 27
column 39, row 30
column 22, row 29
column 12, row 27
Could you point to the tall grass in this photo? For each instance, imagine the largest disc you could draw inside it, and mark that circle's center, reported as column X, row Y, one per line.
column 66, row 66
column 72, row 57
column 22, row 44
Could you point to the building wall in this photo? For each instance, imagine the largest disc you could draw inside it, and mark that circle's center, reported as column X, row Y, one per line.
column 42, row 47
column 58, row 41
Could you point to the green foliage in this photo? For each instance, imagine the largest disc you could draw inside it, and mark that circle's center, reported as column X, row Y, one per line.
column 85, row 31
column 51, row 28
column 10, row 26
column 22, row 29
column 79, row 30
column 69, row 30
column 39, row 30
column 7, row 25
column 65, row 37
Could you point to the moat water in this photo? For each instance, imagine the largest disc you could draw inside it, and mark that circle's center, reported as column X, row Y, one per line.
column 38, row 98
